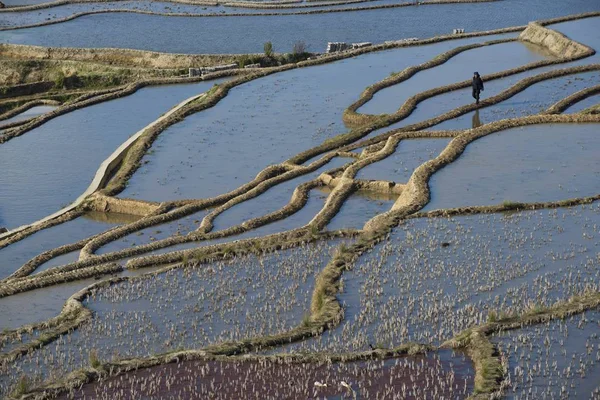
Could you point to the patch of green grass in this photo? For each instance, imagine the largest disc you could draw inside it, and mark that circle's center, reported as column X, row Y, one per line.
column 512, row 205
column 491, row 371
column 314, row 231
column 59, row 80
column 306, row 321
column 248, row 59
column 534, row 308
column 319, row 300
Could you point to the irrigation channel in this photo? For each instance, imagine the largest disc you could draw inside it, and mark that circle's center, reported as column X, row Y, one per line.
column 348, row 226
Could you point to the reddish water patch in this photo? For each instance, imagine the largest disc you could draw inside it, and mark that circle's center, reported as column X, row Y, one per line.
column 432, row 376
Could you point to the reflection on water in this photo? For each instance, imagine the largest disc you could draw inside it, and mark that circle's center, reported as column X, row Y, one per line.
column 476, row 122
column 532, row 100
column 110, row 217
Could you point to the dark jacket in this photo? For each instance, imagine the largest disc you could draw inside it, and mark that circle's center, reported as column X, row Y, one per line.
column 477, row 84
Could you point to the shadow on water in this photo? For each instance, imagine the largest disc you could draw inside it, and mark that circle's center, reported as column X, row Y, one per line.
column 476, row 121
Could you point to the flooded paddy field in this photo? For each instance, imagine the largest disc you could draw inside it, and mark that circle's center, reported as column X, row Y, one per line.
column 360, row 208
column 17, row 254
column 435, row 277
column 493, row 58
column 186, row 159
column 250, row 244
column 533, row 100
column 237, row 35
column 184, row 308
column 414, row 377
column 267, row 203
column 563, row 164
column 180, row 226
column 584, row 104
column 582, row 31
column 11, row 3
column 63, row 154
column 23, row 18
column 42, row 305
column 273, row 199
column 32, row 112
column 46, row 303
column 314, row 204
column 399, row 166
column 554, row 360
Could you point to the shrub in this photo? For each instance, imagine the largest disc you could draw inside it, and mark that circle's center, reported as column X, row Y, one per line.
column 512, row 205
column 287, row 58
column 299, row 48
column 246, row 59
column 268, row 48
column 115, row 80
column 59, row 80
column 299, row 52
column 243, row 60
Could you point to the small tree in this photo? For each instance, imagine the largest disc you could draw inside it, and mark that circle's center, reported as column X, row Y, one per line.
column 299, row 48
column 243, row 60
column 268, row 47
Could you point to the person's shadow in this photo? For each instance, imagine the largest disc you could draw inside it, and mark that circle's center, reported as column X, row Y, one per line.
column 476, row 122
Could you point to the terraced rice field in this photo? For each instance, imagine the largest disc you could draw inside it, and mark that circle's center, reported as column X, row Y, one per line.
column 344, row 225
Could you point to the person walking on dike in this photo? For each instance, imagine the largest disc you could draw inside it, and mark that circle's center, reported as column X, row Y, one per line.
column 477, row 86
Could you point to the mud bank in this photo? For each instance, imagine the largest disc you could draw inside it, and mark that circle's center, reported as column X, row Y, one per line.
column 121, row 57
